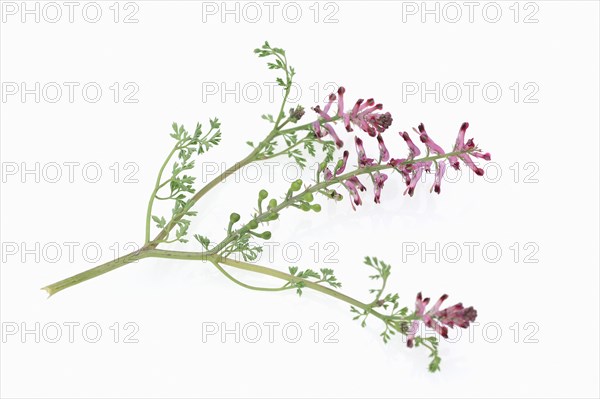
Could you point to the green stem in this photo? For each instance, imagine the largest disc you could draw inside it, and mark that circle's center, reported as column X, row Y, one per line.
column 173, row 222
column 159, row 253
column 307, row 126
column 96, row 271
column 287, row 91
column 157, row 187
column 250, row 287
column 286, row 150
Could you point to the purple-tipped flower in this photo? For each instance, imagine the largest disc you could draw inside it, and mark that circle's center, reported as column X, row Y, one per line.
column 439, row 174
column 433, row 147
column 378, row 181
column 364, row 115
column 384, row 154
column 342, row 167
column 317, row 129
column 330, row 102
column 340, row 110
column 413, row 150
column 338, row 143
column 324, row 114
column 460, row 145
column 351, row 187
column 362, row 156
column 440, row 320
column 414, row 179
column 354, row 180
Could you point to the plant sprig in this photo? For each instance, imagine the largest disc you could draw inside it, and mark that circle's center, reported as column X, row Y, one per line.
column 241, row 243
column 180, row 184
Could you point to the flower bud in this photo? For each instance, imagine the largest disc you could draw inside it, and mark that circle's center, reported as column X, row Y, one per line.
column 308, row 197
column 253, row 224
column 271, row 217
column 263, row 194
column 297, row 185
column 266, row 235
column 234, row 218
column 272, row 204
column 316, row 207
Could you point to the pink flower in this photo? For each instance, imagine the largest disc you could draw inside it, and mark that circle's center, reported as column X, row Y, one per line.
column 316, row 125
column 414, row 179
column 378, row 181
column 362, row 156
column 433, row 147
column 364, row 115
column 413, row 150
column 340, row 111
column 439, row 174
column 317, row 129
column 357, row 183
column 439, row 320
column 460, row 145
column 384, row 154
column 339, row 143
column 342, row 167
column 351, row 187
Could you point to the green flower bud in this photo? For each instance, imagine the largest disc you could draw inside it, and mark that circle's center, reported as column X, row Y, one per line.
column 335, row 195
column 263, row 194
column 316, row 208
column 338, row 164
column 253, row 224
column 272, row 216
column 272, row 203
column 266, row 235
column 297, row 185
column 305, row 207
column 234, row 218
column 308, row 197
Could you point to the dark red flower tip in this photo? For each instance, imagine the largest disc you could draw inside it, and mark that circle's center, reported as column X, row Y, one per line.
column 445, row 332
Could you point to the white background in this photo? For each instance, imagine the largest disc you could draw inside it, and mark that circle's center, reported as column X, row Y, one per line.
column 375, row 50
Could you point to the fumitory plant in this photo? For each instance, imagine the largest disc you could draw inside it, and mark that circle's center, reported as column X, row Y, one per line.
column 327, row 136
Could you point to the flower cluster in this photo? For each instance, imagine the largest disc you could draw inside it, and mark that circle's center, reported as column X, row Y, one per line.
column 440, row 320
column 366, row 115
